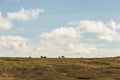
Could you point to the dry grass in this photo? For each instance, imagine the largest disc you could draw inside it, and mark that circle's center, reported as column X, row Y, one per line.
column 60, row 69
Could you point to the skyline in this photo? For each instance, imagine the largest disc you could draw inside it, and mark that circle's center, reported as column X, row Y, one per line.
column 60, row 28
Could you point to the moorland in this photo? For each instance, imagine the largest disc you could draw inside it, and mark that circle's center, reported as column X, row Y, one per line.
column 59, row 68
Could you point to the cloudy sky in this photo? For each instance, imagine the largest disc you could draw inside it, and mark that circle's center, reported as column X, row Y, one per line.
column 73, row 28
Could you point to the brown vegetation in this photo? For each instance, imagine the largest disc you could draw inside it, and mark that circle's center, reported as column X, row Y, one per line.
column 60, row 69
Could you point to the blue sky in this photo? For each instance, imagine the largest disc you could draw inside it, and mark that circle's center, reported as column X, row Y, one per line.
column 88, row 28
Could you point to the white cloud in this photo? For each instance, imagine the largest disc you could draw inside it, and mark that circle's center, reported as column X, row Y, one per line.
column 104, row 31
column 113, row 25
column 91, row 26
column 18, row 46
column 13, row 44
column 25, row 14
column 67, row 41
column 5, row 24
column 109, row 35
column 64, row 40
column 61, row 33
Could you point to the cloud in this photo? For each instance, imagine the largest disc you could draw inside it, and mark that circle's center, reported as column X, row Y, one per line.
column 13, row 44
column 28, row 14
column 24, row 14
column 5, row 24
column 61, row 33
column 91, row 26
column 67, row 41
column 19, row 46
column 113, row 25
column 60, row 41
column 64, row 40
column 105, row 31
column 109, row 35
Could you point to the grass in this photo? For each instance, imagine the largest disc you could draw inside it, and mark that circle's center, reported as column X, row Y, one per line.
column 60, row 69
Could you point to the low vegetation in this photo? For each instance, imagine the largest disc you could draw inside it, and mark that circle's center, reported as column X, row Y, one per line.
column 60, row 68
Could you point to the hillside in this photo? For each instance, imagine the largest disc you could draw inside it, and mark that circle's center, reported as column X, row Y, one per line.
column 60, row 69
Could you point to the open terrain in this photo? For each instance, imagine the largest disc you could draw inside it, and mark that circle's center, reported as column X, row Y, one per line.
column 60, row 69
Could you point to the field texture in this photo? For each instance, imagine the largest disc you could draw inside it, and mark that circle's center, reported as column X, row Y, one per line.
column 60, row 69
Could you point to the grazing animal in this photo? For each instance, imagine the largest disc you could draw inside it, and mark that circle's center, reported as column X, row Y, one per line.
column 30, row 57
column 61, row 57
column 43, row 57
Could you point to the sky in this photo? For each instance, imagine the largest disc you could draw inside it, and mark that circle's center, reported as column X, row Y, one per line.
column 70, row 28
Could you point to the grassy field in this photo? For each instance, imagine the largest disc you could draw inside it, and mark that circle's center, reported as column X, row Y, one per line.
column 60, row 69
